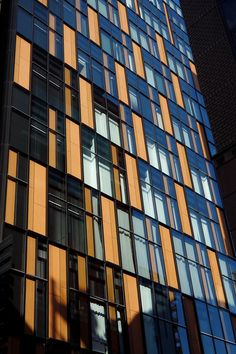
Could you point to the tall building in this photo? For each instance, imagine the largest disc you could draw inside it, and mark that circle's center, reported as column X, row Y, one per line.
column 212, row 30
column 113, row 237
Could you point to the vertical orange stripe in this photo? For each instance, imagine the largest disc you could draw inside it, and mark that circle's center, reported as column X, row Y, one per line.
column 178, row 92
column 10, row 202
column 224, row 231
column 93, row 26
column 22, row 66
column 133, row 315
column 73, row 149
column 123, row 17
column 168, row 257
column 86, row 106
column 168, row 23
column 31, row 254
column 69, row 46
column 138, row 60
column 121, row 83
column 183, row 210
column 203, row 140
column 109, row 228
column 216, row 278
column 165, row 114
column 161, row 47
column 12, row 163
column 133, row 182
column 184, row 165
column 29, row 306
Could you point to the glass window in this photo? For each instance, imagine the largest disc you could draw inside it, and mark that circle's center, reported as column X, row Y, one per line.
column 98, row 328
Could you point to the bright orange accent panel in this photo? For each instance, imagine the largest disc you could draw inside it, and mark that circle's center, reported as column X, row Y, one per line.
column 178, row 92
column 31, row 254
column 110, row 285
column 224, row 231
column 73, row 149
column 184, row 165
column 109, row 229
column 52, row 150
column 121, row 83
column 57, row 294
column 44, row 2
column 138, row 60
column 165, row 114
column 161, row 47
column 10, row 202
column 89, row 231
column 69, row 46
column 183, row 210
column 29, row 306
column 82, row 274
column 168, row 257
column 93, row 26
column 52, row 119
column 139, row 136
column 86, row 106
column 37, row 198
column 216, row 278
column 203, row 140
column 124, row 25
column 133, row 315
column 133, row 182
column 12, row 163
column 195, row 77
column 88, row 202
column 168, row 23
column 52, row 42
column 22, row 63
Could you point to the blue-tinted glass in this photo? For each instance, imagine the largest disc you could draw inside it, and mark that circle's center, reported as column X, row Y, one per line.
column 220, row 347
column 40, row 34
column 106, row 42
column 84, row 64
column 97, row 74
column 28, row 5
column 215, row 322
column 55, row 7
column 145, row 104
column 41, row 12
column 227, row 326
column 183, row 341
column 208, row 346
column 69, row 14
column 24, row 23
column 203, row 317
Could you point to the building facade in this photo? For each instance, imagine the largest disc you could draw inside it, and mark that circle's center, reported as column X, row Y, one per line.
column 212, row 32
column 113, row 237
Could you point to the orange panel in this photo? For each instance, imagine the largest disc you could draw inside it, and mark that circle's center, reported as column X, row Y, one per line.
column 12, row 163
column 203, row 140
column 31, row 254
column 161, row 47
column 82, row 274
column 69, row 46
column 114, row 155
column 52, row 119
column 86, row 106
column 121, row 83
column 190, row 317
column 52, row 21
column 57, row 294
column 73, row 149
column 10, row 202
column 138, row 60
column 109, row 230
column 165, row 114
column 37, row 198
column 52, row 42
column 139, row 136
column 29, row 306
column 133, row 315
column 52, row 150
column 44, row 2
column 110, row 285
column 194, row 73
column 88, row 202
column 68, row 104
column 93, row 26
column 22, row 63
column 124, row 25
column 168, row 257
column 89, row 231
column 133, row 182
column 168, row 23
column 224, row 231
column 117, row 183
column 178, row 92
column 136, row 7
column 183, row 210
column 184, row 165
column 153, row 263
column 216, row 278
